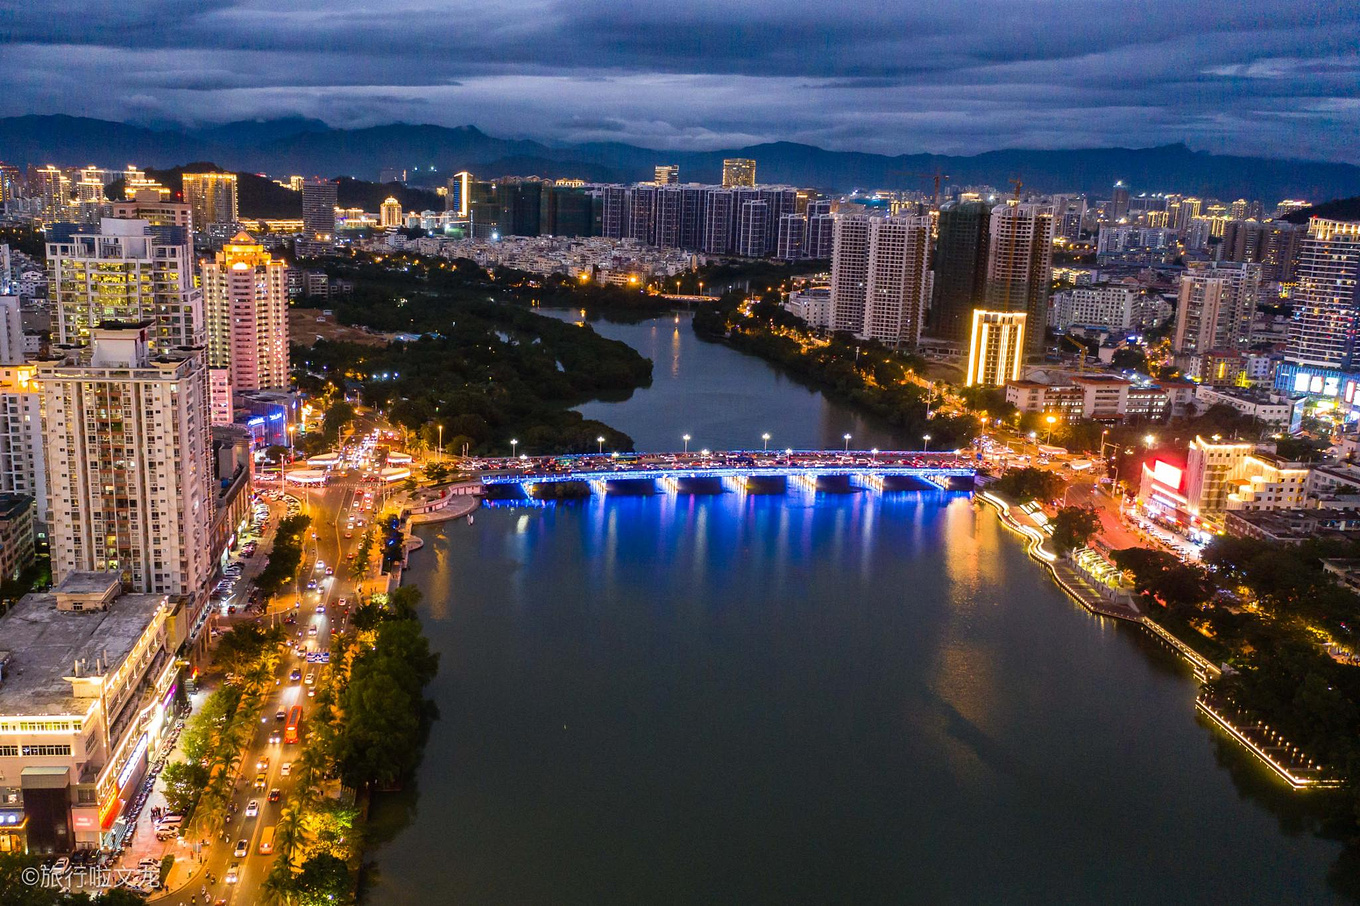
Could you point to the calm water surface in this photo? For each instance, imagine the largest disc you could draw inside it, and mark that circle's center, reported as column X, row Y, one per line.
column 843, row 699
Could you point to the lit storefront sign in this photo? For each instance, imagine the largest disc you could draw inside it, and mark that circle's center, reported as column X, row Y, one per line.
column 1167, row 474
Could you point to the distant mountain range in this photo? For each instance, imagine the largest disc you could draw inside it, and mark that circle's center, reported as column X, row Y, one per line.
column 310, row 147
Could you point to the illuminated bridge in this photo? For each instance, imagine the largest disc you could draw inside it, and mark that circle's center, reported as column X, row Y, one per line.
column 745, row 471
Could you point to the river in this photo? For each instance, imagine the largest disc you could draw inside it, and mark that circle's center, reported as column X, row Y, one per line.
column 854, row 698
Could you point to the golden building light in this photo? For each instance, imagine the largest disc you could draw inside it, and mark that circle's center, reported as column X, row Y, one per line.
column 996, row 348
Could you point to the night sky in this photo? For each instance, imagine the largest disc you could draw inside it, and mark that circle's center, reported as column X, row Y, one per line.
column 1256, row 77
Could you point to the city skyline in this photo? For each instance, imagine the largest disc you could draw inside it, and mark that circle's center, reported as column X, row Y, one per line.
column 951, row 78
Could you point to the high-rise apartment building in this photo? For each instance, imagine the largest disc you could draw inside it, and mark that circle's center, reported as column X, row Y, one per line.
column 156, row 209
column 212, row 197
column 879, row 277
column 960, row 268
column 1020, row 265
column 459, row 198
column 128, row 270
column 52, row 187
column 245, row 294
column 1119, row 202
column 1215, row 308
column 996, row 348
column 21, row 449
column 319, row 199
column 1326, row 296
column 738, row 171
column 751, row 228
column 128, row 461
column 667, row 174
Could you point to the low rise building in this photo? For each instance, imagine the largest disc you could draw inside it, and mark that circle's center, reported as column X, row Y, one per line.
column 812, row 305
column 1293, row 526
column 87, row 692
column 1276, row 410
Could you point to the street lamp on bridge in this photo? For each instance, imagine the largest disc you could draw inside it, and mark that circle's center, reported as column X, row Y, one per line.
column 766, row 437
column 846, row 438
column 926, row 438
column 873, row 454
column 600, row 440
column 513, row 444
column 685, row 438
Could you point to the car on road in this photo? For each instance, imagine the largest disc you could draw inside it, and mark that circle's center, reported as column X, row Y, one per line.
column 330, row 571
column 320, row 565
column 252, row 808
column 262, row 764
column 275, row 738
column 280, row 715
column 233, row 873
column 311, row 677
column 295, row 675
column 349, row 534
column 311, row 630
column 260, row 781
column 242, row 847
column 275, row 795
column 286, row 769
column 321, row 608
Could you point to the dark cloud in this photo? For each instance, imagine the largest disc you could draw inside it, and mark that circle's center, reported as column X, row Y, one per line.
column 1268, row 76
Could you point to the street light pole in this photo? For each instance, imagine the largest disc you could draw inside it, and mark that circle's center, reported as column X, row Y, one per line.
column 600, row 441
column 441, row 443
column 685, row 437
column 766, row 437
column 513, row 444
column 926, row 438
column 846, row 438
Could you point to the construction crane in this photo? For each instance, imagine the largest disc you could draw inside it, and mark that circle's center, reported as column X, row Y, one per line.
column 1015, row 181
column 937, row 177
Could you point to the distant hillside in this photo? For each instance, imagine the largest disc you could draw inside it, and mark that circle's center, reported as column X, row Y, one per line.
column 1337, row 209
column 308, row 147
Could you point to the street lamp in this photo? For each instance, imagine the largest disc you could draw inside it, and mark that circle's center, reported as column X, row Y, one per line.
column 766, row 437
column 292, row 429
column 846, row 438
column 926, row 438
column 600, row 440
column 441, row 442
column 1149, row 440
column 513, row 444
column 685, row 438
column 1052, row 420
column 873, row 454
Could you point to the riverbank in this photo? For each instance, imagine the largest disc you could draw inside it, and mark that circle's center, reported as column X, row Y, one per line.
column 1269, row 748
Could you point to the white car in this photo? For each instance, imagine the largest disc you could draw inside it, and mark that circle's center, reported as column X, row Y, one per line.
column 233, row 873
column 252, row 808
column 286, row 769
column 242, row 847
column 61, row 866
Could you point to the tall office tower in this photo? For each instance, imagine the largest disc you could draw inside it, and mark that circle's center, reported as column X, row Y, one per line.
column 1216, row 305
column 1119, row 201
column 738, row 171
column 1020, row 265
column 389, row 213
column 667, row 174
column 245, row 293
column 459, row 198
column 792, row 232
column 720, row 217
column 212, row 197
column 996, row 347
column 318, row 214
column 615, row 202
column 9, row 182
column 751, row 221
column 879, row 277
column 641, row 213
column 129, row 476
column 667, row 209
column 126, row 271
column 1326, row 296
column 960, row 268
column 155, row 209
